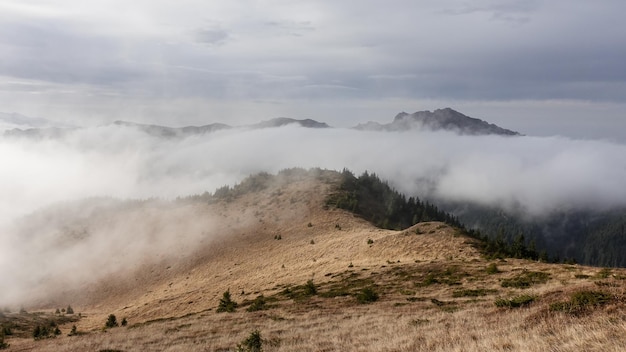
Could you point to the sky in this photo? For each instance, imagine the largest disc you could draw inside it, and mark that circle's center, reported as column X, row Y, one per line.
column 539, row 67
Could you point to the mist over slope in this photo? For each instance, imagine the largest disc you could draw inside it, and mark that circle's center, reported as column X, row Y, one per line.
column 529, row 177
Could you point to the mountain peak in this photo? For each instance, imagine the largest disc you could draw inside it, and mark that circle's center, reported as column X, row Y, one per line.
column 440, row 119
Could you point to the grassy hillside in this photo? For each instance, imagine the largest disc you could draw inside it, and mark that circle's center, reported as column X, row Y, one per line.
column 311, row 277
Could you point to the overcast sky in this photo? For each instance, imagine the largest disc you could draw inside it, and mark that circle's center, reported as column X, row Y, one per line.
column 539, row 67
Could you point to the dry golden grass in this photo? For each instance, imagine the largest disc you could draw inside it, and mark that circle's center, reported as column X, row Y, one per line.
column 435, row 292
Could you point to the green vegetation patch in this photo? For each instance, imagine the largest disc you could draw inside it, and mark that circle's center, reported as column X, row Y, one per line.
column 582, row 301
column 473, row 293
column 349, row 286
column 367, row 295
column 259, row 303
column 301, row 292
column 492, row 269
column 253, row 343
column 526, row 279
column 450, row 276
column 226, row 304
column 515, row 302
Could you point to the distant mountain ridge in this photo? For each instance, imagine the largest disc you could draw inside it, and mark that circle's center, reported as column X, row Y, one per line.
column 440, row 119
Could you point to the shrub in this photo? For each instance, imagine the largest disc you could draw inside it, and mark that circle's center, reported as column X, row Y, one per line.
column 515, row 302
column 472, row 293
column 257, row 304
column 124, row 321
column 492, row 269
column 582, row 301
column 226, row 304
column 69, row 310
column 73, row 331
column 526, row 279
column 367, row 295
column 309, row 225
column 370, row 241
column 111, row 321
column 253, row 343
column 309, row 288
column 430, row 279
column 41, row 332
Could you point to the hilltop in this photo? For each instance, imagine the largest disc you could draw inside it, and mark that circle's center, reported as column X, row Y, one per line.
column 440, row 119
column 311, row 276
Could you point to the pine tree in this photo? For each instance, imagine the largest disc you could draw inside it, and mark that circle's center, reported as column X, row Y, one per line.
column 111, row 321
column 226, row 304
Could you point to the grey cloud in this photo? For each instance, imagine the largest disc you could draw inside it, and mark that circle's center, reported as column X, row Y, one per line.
column 212, row 36
column 57, row 52
column 443, row 50
column 516, row 11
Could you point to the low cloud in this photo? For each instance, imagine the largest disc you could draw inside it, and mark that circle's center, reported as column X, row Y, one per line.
column 540, row 174
column 533, row 175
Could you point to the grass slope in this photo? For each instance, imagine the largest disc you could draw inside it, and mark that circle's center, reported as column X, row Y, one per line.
column 333, row 282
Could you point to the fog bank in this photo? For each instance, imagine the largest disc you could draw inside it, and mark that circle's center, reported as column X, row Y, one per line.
column 534, row 175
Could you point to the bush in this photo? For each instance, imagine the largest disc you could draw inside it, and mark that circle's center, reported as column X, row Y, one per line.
column 472, row 293
column 252, row 343
column 124, row 321
column 41, row 332
column 492, row 269
column 526, row 279
column 581, row 302
column 226, row 304
column 69, row 310
column 111, row 321
column 370, row 241
column 515, row 302
column 257, row 304
column 367, row 295
column 310, row 289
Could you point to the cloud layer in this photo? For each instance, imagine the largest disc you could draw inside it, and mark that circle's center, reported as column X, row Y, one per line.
column 534, row 175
